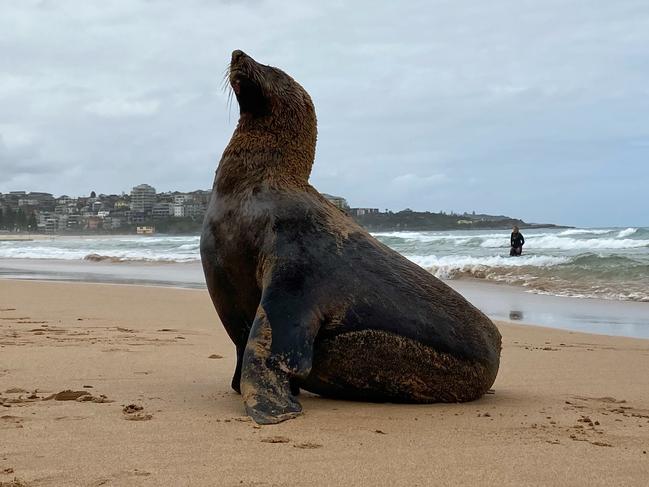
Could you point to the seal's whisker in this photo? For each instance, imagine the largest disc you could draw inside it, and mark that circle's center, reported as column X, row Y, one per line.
column 229, row 103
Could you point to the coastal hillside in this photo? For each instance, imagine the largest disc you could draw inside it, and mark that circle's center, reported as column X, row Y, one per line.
column 408, row 220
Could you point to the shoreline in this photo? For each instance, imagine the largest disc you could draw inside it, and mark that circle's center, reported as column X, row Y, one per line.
column 498, row 300
column 568, row 407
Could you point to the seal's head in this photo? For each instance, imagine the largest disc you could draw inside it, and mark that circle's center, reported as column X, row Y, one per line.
column 275, row 108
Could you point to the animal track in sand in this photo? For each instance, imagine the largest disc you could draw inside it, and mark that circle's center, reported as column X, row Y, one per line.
column 11, row 421
column 275, row 439
column 135, row 412
column 308, row 446
column 16, row 482
column 13, row 333
column 106, row 480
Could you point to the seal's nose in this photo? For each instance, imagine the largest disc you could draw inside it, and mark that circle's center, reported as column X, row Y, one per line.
column 237, row 54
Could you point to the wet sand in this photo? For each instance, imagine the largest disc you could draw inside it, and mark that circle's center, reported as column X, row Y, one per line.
column 498, row 301
column 150, row 404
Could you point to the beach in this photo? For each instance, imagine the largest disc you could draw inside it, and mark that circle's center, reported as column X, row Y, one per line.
column 150, row 367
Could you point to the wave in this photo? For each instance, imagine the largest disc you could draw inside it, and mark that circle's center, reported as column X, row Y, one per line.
column 452, row 266
column 552, row 242
column 583, row 231
column 573, row 239
column 106, row 250
column 611, row 263
column 627, row 233
column 115, row 259
column 585, row 275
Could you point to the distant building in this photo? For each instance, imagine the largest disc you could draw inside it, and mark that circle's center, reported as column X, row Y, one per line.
column 74, row 222
column 179, row 211
column 162, row 210
column 137, row 217
column 194, row 211
column 181, row 199
column 338, row 201
column 362, row 211
column 143, row 198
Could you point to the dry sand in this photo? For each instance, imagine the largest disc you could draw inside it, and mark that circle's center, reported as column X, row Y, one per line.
column 568, row 408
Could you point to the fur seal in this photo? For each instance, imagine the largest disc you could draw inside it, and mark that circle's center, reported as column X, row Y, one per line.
column 309, row 298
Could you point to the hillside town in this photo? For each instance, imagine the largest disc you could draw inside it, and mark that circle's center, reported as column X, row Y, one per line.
column 143, row 210
column 112, row 213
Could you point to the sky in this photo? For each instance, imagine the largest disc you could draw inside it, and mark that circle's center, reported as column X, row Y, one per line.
column 533, row 109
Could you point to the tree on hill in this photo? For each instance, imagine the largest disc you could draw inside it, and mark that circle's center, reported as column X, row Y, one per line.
column 21, row 219
column 32, row 223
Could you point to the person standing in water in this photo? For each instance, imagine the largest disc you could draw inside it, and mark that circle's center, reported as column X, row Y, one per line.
column 516, row 241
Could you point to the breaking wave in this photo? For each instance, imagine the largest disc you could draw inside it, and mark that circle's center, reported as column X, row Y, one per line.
column 611, row 263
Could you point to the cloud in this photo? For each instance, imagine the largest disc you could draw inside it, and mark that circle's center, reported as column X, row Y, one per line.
column 527, row 98
column 117, row 108
column 417, row 182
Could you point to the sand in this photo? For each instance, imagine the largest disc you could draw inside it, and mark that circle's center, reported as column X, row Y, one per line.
column 129, row 385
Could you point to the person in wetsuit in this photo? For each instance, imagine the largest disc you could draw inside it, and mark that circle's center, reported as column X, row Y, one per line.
column 516, row 241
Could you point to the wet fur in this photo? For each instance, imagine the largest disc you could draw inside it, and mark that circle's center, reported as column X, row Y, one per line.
column 308, row 297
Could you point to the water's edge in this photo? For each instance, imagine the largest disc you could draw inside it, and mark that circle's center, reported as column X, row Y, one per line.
column 498, row 301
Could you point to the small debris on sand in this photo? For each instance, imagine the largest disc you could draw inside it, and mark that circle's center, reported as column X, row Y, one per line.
column 275, row 439
column 96, row 399
column 67, row 395
column 16, row 390
column 132, row 408
column 308, row 446
column 134, row 412
column 16, row 482
column 215, row 355
column 380, row 432
column 600, row 443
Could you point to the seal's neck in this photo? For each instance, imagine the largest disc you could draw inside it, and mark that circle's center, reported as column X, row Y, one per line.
column 262, row 153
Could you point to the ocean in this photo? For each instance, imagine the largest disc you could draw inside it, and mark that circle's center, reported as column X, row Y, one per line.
column 605, row 263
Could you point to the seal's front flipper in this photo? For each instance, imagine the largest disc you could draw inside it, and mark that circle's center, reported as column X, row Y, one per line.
column 279, row 351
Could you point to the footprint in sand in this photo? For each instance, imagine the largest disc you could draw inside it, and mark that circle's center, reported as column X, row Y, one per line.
column 275, row 439
column 308, row 446
column 135, row 412
column 16, row 482
column 9, row 420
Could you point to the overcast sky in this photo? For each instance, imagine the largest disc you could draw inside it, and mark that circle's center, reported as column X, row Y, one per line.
column 535, row 109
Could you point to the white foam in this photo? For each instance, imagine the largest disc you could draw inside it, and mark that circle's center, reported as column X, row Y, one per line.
column 626, row 233
column 584, row 231
column 566, row 243
column 448, row 266
column 154, row 249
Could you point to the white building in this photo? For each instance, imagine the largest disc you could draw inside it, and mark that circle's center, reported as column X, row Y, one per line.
column 142, row 198
column 179, row 211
